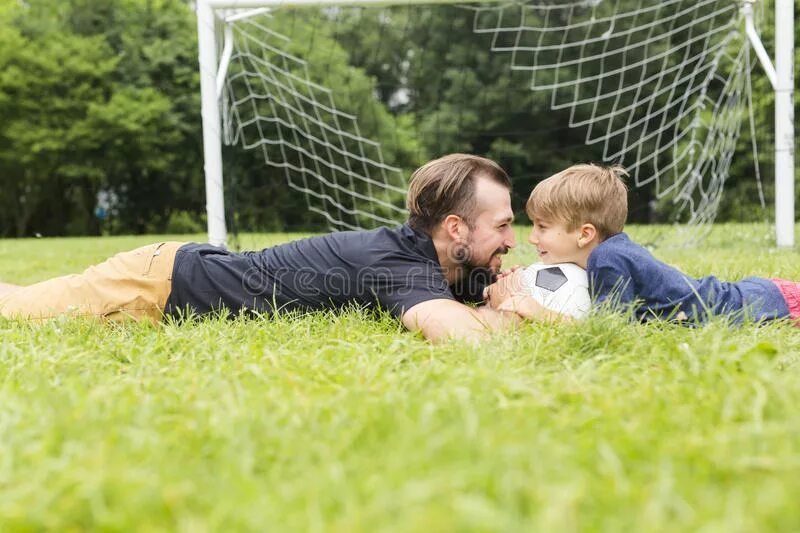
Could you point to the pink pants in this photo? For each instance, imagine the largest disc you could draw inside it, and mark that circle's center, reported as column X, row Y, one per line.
column 791, row 293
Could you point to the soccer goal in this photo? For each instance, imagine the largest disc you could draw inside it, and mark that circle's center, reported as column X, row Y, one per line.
column 341, row 99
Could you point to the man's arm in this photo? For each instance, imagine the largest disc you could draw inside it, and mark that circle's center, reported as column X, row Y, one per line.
column 7, row 288
column 442, row 319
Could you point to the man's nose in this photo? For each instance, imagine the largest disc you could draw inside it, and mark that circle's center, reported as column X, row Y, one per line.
column 511, row 240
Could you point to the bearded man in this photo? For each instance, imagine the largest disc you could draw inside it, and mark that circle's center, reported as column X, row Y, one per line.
column 422, row 272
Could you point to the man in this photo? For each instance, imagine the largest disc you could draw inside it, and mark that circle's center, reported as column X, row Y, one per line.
column 422, row 272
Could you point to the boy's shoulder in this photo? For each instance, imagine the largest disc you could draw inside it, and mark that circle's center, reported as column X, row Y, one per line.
column 617, row 249
column 618, row 243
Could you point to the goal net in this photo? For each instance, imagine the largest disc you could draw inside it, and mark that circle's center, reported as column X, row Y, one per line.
column 344, row 102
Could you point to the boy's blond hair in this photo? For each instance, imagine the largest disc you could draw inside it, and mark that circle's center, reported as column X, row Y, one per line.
column 581, row 194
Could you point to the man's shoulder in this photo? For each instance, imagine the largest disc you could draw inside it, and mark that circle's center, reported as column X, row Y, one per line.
column 364, row 250
column 385, row 243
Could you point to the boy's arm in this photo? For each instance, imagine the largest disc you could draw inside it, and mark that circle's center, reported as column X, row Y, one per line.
column 612, row 285
column 506, row 295
column 526, row 307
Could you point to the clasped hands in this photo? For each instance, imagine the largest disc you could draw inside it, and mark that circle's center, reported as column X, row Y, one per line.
column 507, row 294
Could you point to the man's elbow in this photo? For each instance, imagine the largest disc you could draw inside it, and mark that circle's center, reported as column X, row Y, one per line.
column 440, row 335
column 438, row 330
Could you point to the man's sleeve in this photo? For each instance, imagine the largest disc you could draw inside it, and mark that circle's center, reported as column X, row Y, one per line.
column 400, row 284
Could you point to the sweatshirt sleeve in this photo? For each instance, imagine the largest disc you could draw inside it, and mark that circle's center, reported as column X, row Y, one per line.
column 610, row 284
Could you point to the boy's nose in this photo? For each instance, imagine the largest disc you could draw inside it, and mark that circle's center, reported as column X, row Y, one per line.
column 532, row 237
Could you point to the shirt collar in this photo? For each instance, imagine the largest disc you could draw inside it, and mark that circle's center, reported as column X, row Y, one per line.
column 420, row 241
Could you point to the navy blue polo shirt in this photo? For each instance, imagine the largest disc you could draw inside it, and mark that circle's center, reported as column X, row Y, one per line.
column 388, row 268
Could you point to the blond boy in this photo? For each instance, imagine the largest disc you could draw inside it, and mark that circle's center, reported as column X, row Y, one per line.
column 578, row 217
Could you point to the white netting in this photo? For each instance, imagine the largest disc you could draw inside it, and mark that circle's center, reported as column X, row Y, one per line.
column 661, row 85
column 272, row 105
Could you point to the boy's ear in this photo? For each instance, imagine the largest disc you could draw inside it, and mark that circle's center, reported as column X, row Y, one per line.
column 587, row 234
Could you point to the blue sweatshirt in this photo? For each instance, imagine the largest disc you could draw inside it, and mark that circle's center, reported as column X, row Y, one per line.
column 624, row 273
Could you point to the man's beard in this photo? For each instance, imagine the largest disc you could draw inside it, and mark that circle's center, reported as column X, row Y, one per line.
column 474, row 277
column 462, row 254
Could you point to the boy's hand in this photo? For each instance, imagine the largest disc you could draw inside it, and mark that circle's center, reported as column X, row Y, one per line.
column 506, row 295
column 528, row 308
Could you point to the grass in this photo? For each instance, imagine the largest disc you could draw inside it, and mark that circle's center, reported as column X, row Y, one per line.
column 347, row 423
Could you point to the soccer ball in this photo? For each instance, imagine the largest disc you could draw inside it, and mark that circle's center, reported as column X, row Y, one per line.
column 561, row 287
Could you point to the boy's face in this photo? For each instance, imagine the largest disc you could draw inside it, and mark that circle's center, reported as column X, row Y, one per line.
column 556, row 243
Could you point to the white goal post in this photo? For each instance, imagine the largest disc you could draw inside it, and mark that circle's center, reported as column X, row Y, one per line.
column 213, row 69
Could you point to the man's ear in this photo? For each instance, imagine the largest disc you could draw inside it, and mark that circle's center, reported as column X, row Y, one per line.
column 455, row 227
column 587, row 234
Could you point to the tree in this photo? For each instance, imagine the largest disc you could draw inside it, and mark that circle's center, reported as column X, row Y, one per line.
column 98, row 95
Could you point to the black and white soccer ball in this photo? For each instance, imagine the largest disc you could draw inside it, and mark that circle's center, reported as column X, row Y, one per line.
column 561, row 287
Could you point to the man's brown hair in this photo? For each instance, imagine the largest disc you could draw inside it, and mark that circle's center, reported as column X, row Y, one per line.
column 446, row 186
column 581, row 194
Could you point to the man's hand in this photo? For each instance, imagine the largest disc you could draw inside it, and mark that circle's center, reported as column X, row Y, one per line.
column 503, row 289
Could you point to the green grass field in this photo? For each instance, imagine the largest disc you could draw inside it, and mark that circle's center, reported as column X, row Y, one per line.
column 348, row 423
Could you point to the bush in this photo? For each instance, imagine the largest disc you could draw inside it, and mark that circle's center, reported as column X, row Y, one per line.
column 184, row 222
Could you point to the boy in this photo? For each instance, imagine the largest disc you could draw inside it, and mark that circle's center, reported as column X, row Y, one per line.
column 578, row 216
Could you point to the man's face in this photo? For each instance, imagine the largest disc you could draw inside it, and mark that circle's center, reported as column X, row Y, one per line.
column 555, row 242
column 491, row 235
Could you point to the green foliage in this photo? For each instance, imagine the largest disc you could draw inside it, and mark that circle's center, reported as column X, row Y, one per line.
column 105, row 96
column 97, row 97
column 743, row 164
column 266, row 202
column 344, row 422
column 182, row 222
column 464, row 96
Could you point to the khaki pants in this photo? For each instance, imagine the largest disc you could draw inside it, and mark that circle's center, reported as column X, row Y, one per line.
column 133, row 284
